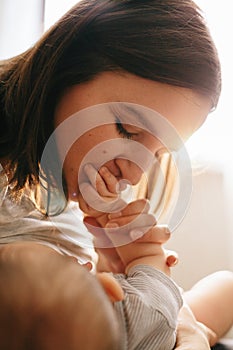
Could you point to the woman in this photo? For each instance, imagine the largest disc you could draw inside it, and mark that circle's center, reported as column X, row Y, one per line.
column 155, row 54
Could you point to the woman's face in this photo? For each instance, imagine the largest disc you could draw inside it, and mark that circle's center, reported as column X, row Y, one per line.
column 184, row 109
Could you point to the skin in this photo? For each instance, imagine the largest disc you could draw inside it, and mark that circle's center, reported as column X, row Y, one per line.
column 173, row 103
column 193, row 335
column 209, row 301
column 185, row 109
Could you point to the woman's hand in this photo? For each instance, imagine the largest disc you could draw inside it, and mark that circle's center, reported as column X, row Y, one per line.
column 123, row 237
column 130, row 237
column 192, row 335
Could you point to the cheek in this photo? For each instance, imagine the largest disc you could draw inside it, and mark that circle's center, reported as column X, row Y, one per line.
column 152, row 143
column 71, row 165
column 78, row 153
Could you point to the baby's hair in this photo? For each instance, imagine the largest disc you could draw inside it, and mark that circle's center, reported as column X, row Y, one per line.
column 50, row 302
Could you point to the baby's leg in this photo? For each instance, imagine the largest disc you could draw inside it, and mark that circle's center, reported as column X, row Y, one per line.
column 211, row 301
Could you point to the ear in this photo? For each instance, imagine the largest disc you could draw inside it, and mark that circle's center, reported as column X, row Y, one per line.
column 111, row 286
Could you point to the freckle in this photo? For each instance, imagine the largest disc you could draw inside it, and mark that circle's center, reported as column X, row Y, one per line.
column 104, row 151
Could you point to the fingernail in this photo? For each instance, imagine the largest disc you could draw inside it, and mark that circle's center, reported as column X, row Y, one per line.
column 112, row 225
column 135, row 234
column 87, row 166
column 172, row 260
column 103, row 170
column 88, row 265
column 114, row 215
column 165, row 228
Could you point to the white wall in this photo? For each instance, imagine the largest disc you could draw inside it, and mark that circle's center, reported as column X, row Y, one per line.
column 204, row 239
column 21, row 24
column 54, row 9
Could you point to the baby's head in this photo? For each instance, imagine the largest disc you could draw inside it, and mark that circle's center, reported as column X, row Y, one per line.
column 49, row 301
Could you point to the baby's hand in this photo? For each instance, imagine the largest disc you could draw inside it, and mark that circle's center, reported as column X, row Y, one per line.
column 121, row 227
column 126, row 237
column 100, row 193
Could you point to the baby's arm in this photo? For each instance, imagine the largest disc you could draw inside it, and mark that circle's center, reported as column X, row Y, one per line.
column 149, row 309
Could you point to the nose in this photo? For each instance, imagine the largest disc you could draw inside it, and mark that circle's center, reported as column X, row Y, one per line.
column 129, row 170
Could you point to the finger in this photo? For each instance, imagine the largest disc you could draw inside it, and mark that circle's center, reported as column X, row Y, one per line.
column 86, row 209
column 89, row 220
column 120, row 236
column 98, row 181
column 110, row 180
column 135, row 220
column 157, row 234
column 109, row 260
column 134, row 251
column 101, row 240
column 88, row 265
column 141, row 223
column 102, row 204
column 136, row 207
column 102, row 219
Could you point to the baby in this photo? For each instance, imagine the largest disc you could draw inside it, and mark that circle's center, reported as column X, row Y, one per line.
column 64, row 306
column 49, row 301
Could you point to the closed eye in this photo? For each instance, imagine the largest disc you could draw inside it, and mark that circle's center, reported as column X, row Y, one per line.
column 122, row 131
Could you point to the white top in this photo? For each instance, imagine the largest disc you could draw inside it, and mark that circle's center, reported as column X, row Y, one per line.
column 20, row 220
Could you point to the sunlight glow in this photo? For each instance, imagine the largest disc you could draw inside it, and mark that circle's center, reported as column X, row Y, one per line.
column 214, row 140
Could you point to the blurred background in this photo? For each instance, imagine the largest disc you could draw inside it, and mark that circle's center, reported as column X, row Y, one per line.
column 204, row 239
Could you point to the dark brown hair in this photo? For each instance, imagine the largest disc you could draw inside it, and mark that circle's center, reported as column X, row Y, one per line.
column 161, row 40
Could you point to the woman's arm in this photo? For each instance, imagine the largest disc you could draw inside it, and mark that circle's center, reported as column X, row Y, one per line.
column 192, row 335
column 211, row 301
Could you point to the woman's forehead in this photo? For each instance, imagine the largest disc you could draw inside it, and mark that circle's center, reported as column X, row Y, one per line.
column 172, row 102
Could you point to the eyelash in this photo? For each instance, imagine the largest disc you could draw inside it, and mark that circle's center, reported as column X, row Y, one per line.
column 122, row 131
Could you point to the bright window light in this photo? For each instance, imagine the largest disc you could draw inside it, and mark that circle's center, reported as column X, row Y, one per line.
column 54, row 9
column 214, row 140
